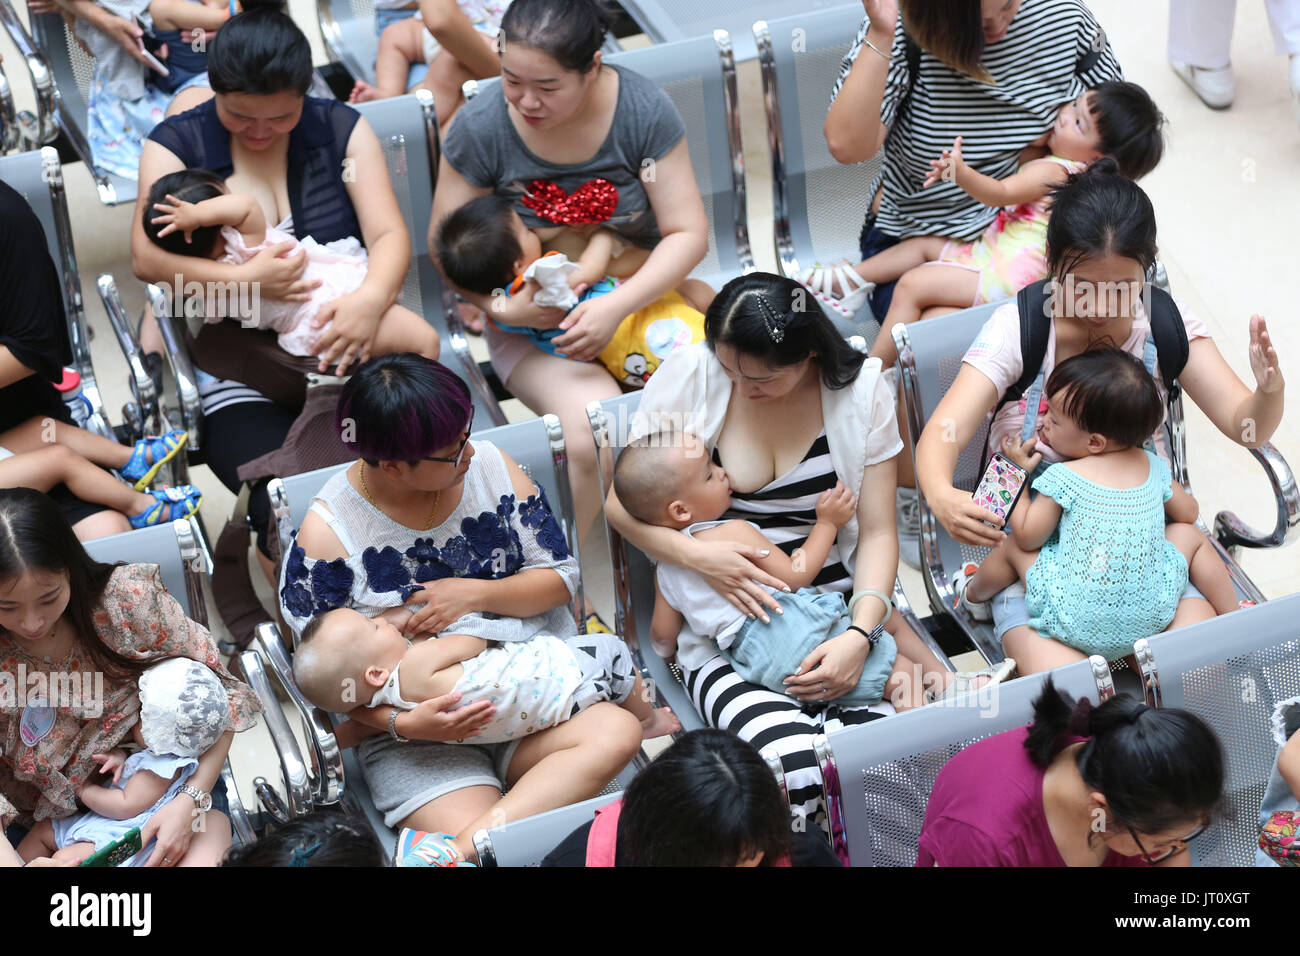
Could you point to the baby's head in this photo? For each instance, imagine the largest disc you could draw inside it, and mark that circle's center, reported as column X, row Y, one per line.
column 183, row 708
column 484, row 244
column 344, row 657
column 668, row 480
column 1100, row 401
column 189, row 185
column 1115, row 119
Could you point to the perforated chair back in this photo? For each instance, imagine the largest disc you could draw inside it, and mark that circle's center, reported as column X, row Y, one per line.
column 73, row 68
column 407, row 128
column 1231, row 671
column 698, row 75
column 38, row 177
column 348, row 29
column 818, row 204
column 173, row 548
column 879, row 775
column 536, row 445
column 527, row 842
column 634, row 582
column 666, row 21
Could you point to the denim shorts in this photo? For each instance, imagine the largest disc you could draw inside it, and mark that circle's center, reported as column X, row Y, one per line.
column 1009, row 608
column 386, row 18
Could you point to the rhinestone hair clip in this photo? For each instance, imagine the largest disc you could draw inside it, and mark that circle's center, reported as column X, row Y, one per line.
column 772, row 319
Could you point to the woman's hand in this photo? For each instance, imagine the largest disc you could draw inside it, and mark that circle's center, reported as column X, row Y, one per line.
column 947, row 167
column 444, row 601
column 883, row 15
column 125, row 33
column 111, row 763
column 435, row 719
column 832, row 669
column 964, row 519
column 43, row 6
column 355, row 320
column 173, row 825
column 522, row 311
column 1022, row 453
column 727, row 567
column 1263, row 358
column 280, row 275
column 179, row 216
column 589, row 327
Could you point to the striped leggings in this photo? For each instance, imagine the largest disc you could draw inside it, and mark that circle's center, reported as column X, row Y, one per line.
column 765, row 718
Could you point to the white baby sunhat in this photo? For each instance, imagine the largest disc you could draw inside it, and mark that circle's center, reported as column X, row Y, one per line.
column 183, row 708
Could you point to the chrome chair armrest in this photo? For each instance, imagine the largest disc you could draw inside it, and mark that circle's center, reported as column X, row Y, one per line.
column 1234, row 533
column 187, row 388
column 142, row 387
column 8, row 116
column 42, row 77
column 240, row 822
column 327, row 759
column 297, row 800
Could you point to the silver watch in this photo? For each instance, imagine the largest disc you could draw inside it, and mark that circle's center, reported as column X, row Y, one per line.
column 202, row 799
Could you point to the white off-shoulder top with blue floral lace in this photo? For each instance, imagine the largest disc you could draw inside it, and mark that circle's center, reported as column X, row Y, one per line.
column 490, row 535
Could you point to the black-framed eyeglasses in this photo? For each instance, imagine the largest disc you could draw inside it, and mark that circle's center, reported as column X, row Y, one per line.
column 460, row 452
column 1173, row 847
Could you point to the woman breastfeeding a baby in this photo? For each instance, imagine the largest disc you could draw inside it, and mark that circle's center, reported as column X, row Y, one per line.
column 442, row 535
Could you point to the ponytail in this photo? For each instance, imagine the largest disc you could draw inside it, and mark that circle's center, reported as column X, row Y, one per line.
column 1157, row 768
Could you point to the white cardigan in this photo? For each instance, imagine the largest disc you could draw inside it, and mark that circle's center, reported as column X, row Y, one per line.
column 691, row 389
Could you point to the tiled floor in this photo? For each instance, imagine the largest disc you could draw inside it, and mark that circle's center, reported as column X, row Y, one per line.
column 1225, row 196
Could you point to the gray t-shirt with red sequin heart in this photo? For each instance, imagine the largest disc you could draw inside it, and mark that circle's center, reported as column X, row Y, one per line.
column 484, row 147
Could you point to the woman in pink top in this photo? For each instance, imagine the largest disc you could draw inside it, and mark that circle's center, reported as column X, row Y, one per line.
column 1117, row 785
column 1101, row 240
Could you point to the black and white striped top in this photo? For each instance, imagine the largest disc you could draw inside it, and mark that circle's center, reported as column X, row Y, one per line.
column 785, row 510
column 1033, row 70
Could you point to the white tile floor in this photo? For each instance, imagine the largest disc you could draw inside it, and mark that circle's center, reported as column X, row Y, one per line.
column 1225, row 195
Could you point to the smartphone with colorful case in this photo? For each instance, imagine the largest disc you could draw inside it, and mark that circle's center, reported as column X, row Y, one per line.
column 1000, row 488
column 116, row 853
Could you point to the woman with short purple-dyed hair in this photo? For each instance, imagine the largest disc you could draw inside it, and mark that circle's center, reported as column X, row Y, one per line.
column 440, row 534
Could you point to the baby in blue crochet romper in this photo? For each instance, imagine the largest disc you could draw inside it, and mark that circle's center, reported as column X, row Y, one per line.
column 1100, row 567
column 670, row 482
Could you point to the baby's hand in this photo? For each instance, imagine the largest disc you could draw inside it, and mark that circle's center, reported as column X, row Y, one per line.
column 947, row 166
column 179, row 216
column 837, row 506
column 1022, row 453
column 111, row 763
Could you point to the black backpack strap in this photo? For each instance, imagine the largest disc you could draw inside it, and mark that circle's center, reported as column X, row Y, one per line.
column 1087, row 62
column 1035, row 328
column 1170, row 333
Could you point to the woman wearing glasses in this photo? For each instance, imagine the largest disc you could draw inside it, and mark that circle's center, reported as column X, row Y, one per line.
column 1117, row 785
column 438, row 533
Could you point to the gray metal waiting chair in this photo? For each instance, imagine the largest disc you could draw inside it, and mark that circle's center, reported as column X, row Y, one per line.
column 527, row 842
column 1230, row 671
column 38, row 177
column 699, row 77
column 19, row 129
column 175, row 549
column 634, row 588
column 666, row 21
column 818, row 205
column 930, row 356
column 878, row 776
column 60, row 71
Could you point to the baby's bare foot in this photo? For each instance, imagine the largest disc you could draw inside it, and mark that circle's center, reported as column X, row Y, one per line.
column 662, row 721
column 363, row 92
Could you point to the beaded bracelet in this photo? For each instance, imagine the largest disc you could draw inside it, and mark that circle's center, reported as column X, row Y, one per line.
column 869, row 592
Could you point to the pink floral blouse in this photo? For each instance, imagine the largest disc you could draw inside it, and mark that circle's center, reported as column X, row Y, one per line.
column 137, row 618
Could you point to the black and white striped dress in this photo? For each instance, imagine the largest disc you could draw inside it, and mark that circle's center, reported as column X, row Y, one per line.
column 1033, row 67
column 784, row 510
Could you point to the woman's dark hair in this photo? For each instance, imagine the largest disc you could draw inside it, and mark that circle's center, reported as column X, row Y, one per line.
column 402, row 407
column 708, row 800
column 952, row 32
column 477, row 246
column 1129, row 125
column 323, row 838
column 191, row 185
column 1158, row 769
column 568, row 31
column 1099, row 212
column 1110, row 392
column 260, row 52
column 35, row 536
column 777, row 321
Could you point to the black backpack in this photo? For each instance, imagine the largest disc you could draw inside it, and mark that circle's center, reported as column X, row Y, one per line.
column 1036, row 325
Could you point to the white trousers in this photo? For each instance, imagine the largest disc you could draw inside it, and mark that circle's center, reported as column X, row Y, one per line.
column 1200, row 31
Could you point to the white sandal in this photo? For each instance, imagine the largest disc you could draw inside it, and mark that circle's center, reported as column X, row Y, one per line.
column 821, row 281
column 964, row 681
